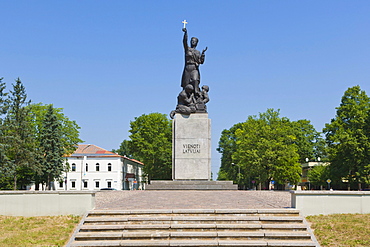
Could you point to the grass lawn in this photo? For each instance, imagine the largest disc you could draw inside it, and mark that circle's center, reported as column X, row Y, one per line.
column 341, row 229
column 36, row 231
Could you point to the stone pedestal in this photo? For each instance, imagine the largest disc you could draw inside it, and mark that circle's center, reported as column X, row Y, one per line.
column 191, row 156
column 191, row 147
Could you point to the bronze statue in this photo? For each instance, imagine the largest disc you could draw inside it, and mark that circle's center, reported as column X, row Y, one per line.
column 185, row 102
column 193, row 58
column 191, row 99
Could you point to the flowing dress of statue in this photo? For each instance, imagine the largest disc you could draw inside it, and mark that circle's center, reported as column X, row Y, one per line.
column 193, row 58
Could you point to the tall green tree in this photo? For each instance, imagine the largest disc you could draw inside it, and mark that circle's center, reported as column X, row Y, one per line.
column 65, row 140
column 4, row 166
column 318, row 175
column 51, row 148
column 19, row 137
column 124, row 149
column 309, row 142
column 151, row 143
column 227, row 147
column 69, row 128
column 266, row 149
column 348, row 139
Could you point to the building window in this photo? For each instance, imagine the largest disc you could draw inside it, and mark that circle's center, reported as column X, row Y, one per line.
column 73, row 167
column 109, row 184
column 109, row 167
column 61, row 184
column 85, row 184
column 97, row 167
column 96, row 184
column 87, row 167
column 73, row 184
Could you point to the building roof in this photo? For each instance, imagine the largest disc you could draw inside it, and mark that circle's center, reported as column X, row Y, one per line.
column 91, row 150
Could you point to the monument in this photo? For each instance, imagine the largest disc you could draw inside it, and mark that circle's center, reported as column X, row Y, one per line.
column 191, row 130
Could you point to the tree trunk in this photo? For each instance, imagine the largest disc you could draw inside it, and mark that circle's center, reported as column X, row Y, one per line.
column 15, row 182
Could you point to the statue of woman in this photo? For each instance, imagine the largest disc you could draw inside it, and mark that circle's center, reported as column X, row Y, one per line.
column 193, row 58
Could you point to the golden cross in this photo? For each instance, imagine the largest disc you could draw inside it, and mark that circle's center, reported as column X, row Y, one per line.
column 184, row 21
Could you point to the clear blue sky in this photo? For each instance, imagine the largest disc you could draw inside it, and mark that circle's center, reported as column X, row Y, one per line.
column 107, row 62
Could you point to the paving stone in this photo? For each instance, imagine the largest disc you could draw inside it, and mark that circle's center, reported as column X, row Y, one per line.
column 236, row 211
column 145, row 234
column 226, row 243
column 106, row 219
column 291, row 243
column 145, row 243
column 192, row 200
column 287, row 234
column 97, row 243
column 240, row 234
column 193, row 234
column 193, row 226
column 238, row 226
column 281, row 218
column 147, row 226
column 99, row 235
column 193, row 243
column 103, row 227
column 284, row 226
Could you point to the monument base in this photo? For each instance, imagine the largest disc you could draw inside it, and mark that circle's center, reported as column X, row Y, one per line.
column 191, row 185
column 191, row 147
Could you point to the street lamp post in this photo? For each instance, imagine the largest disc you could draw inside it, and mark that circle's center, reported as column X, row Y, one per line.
column 308, row 180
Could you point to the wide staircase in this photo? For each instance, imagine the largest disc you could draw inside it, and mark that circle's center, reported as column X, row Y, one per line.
column 198, row 227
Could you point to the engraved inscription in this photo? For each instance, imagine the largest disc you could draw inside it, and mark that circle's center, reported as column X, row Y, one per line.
column 191, row 148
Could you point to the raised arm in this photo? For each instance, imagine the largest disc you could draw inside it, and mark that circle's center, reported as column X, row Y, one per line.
column 185, row 39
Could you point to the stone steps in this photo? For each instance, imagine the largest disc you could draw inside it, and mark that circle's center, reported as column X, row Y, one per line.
column 281, row 227
column 190, row 185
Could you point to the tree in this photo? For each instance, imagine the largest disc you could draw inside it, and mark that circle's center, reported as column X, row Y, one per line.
column 18, row 137
column 51, row 148
column 348, row 139
column 309, row 142
column 265, row 147
column 4, row 165
column 124, row 149
column 318, row 175
column 151, row 143
column 69, row 128
column 56, row 135
column 227, row 146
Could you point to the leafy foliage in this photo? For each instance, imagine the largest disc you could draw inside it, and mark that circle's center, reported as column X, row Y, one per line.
column 267, row 147
column 227, row 146
column 3, row 109
column 69, row 129
column 318, row 175
column 33, row 139
column 51, row 148
column 347, row 136
column 151, row 143
column 18, row 136
column 124, row 149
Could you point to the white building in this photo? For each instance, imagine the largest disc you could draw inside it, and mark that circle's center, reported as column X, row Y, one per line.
column 94, row 168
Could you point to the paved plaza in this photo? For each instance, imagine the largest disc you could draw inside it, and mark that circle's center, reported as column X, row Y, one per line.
column 141, row 199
